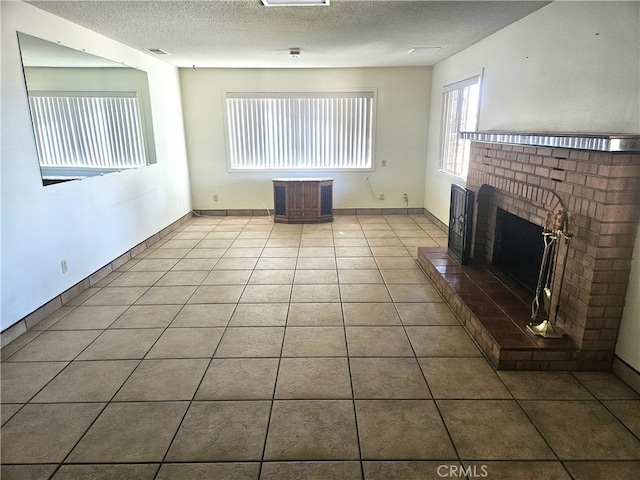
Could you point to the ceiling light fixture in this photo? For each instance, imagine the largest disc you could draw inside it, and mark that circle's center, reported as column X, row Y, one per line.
column 294, row 3
column 423, row 50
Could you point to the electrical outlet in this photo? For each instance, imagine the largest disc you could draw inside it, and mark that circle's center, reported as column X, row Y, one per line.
column 382, row 196
column 64, row 265
column 215, row 198
column 384, row 163
column 405, row 197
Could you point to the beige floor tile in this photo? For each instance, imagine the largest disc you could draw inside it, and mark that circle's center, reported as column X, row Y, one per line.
column 167, row 295
column 390, row 251
column 314, row 314
column 234, row 252
column 251, row 342
column 603, row 470
column 413, row 470
column 243, row 242
column 378, row 378
column 8, row 410
column 314, row 342
column 130, row 432
column 313, row 378
column 182, row 277
column 512, row 435
column 266, row 294
column 351, row 251
column 276, row 264
column 116, row 296
column 122, row 344
column 582, row 430
column 442, row 341
column 26, row 472
column 227, row 277
column 106, row 472
column 321, row 263
column 460, row 377
column 53, row 346
column 137, row 279
column 320, row 241
column 422, row 293
column 384, row 241
column 240, row 429
column 260, row 315
column 315, row 293
column 354, row 263
column 350, row 242
column 21, row 381
column 378, row 342
column 195, row 264
column 209, row 471
column 311, row 471
column 432, row 313
column 312, row 430
column 529, row 470
column 217, row 294
column 233, row 263
column 281, row 251
column 385, row 263
column 168, row 252
column 96, row 381
column 606, row 386
column 202, row 252
column 360, row 275
column 316, row 252
column 147, row 316
column 370, row 314
column 154, row 264
column 89, row 318
column 204, row 315
column 186, row 343
column 46, row 433
column 272, row 277
column 402, row 430
column 544, row 386
column 315, row 277
column 156, row 380
column 404, row 276
column 239, row 379
column 364, row 293
column 181, row 243
column 628, row 412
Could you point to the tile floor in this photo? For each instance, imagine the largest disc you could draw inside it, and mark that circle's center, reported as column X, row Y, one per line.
column 237, row 349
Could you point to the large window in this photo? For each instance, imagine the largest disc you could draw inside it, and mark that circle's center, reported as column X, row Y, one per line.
column 460, row 113
column 80, row 132
column 300, row 130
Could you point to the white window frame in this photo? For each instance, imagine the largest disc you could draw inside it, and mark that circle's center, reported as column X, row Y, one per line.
column 283, row 151
column 83, row 133
column 455, row 152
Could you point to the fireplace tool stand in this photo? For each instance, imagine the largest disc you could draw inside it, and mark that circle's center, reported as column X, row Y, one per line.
column 551, row 237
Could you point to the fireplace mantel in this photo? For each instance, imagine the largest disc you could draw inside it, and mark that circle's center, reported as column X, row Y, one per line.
column 578, row 141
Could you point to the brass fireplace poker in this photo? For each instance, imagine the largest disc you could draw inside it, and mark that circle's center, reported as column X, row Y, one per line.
column 557, row 226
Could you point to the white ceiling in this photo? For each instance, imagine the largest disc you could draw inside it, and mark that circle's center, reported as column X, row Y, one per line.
column 246, row 34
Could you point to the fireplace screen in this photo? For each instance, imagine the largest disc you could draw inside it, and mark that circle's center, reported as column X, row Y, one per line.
column 460, row 222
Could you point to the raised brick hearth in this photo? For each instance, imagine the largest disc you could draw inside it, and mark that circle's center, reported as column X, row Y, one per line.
column 602, row 189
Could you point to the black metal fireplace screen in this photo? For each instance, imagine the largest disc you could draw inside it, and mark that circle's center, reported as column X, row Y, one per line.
column 460, row 223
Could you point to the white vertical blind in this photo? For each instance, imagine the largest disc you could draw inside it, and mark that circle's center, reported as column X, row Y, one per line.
column 87, row 130
column 304, row 131
column 460, row 113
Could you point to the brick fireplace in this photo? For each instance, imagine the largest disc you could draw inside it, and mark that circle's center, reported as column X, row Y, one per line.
column 594, row 178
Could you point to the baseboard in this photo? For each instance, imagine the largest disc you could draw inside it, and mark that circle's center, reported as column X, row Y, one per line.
column 28, row 322
column 336, row 211
column 626, row 373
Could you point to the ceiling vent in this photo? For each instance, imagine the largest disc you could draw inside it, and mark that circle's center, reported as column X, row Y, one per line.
column 423, row 50
column 157, row 51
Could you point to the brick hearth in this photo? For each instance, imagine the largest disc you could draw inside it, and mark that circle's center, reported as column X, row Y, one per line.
column 602, row 189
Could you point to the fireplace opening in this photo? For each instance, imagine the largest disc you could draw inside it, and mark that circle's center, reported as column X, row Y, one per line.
column 518, row 249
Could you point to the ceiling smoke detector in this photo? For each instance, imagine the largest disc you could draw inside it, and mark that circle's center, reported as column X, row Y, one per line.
column 157, row 51
column 294, row 52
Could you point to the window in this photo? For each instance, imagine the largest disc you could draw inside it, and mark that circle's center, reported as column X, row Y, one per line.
column 460, row 113
column 78, row 132
column 300, row 130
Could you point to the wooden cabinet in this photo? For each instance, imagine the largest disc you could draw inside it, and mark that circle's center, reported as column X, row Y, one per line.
column 303, row 200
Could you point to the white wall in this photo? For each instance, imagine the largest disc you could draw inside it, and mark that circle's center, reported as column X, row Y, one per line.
column 569, row 67
column 402, row 121
column 88, row 222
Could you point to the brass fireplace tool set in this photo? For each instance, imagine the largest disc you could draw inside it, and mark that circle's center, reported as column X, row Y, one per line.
column 557, row 226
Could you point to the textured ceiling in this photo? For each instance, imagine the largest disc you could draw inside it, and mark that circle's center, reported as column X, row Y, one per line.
column 246, row 34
